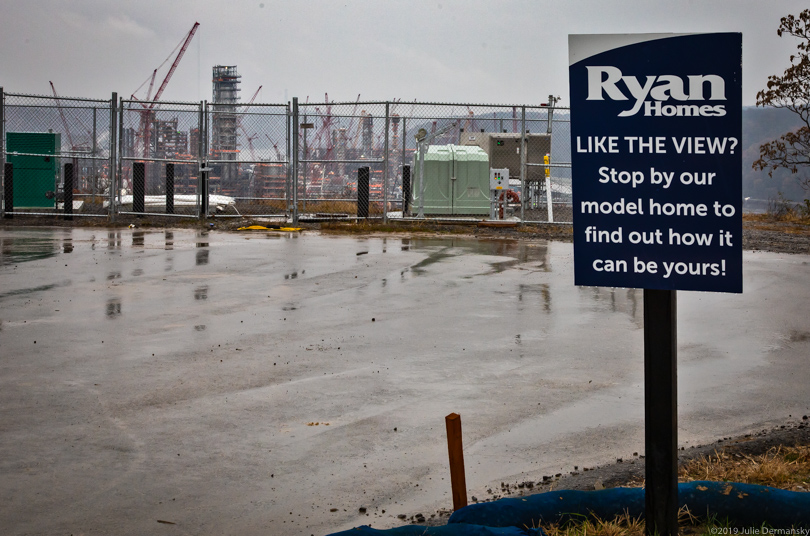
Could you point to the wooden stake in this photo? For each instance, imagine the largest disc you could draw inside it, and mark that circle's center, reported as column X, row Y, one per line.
column 457, row 479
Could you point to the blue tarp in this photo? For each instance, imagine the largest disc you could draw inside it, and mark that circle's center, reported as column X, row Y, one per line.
column 446, row 530
column 740, row 504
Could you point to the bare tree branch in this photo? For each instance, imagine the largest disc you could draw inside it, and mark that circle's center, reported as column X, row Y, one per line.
column 790, row 91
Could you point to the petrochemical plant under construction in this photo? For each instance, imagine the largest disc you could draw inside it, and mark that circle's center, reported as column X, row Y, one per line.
column 445, row 159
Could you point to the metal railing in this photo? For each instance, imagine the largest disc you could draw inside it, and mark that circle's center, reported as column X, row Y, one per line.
column 296, row 162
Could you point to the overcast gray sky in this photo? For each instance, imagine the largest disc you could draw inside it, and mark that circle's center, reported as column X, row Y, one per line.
column 472, row 51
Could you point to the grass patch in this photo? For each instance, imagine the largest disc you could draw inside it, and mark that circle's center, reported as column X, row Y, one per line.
column 780, row 467
column 623, row 525
column 767, row 222
column 782, row 210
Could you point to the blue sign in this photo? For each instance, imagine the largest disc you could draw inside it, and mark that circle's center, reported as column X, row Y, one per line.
column 656, row 131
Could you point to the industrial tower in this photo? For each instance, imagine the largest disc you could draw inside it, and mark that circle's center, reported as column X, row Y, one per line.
column 224, row 125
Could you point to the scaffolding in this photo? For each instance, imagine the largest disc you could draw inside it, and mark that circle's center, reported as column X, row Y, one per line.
column 224, row 143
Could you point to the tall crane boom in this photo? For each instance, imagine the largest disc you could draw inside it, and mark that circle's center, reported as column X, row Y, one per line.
column 146, row 113
column 177, row 60
column 62, row 115
column 253, row 98
column 151, row 85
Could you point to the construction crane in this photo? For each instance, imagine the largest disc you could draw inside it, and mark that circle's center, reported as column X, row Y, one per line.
column 151, row 85
column 324, row 132
column 279, row 156
column 250, row 145
column 353, row 119
column 148, row 107
column 242, row 128
column 62, row 115
column 253, row 98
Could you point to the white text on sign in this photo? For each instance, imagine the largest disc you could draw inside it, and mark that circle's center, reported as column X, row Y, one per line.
column 656, row 144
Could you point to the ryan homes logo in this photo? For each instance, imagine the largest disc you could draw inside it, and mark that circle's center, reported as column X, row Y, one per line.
column 657, row 93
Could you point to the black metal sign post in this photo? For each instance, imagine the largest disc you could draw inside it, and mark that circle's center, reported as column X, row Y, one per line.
column 661, row 412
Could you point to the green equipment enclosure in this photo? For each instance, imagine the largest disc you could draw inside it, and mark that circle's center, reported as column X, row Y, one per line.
column 34, row 176
column 456, row 180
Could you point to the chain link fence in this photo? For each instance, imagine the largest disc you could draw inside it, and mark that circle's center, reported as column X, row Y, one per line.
column 517, row 140
column 304, row 162
column 248, row 156
column 341, row 160
column 57, row 155
column 160, row 148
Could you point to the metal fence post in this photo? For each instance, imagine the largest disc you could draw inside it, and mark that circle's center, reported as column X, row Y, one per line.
column 113, row 166
column 202, row 181
column 3, row 148
column 306, row 170
column 523, row 150
column 200, row 156
column 287, row 151
column 120, row 167
column 294, row 172
column 386, row 161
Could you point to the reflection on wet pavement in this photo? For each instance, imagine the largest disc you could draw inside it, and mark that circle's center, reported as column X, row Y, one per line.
column 138, row 239
column 113, row 307
column 530, row 256
column 18, row 250
column 114, row 240
column 202, row 239
column 542, row 290
column 28, row 291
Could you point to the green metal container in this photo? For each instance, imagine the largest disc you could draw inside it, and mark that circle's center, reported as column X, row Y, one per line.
column 456, row 180
column 34, row 176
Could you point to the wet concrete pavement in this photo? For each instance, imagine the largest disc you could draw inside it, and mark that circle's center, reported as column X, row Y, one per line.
column 275, row 383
